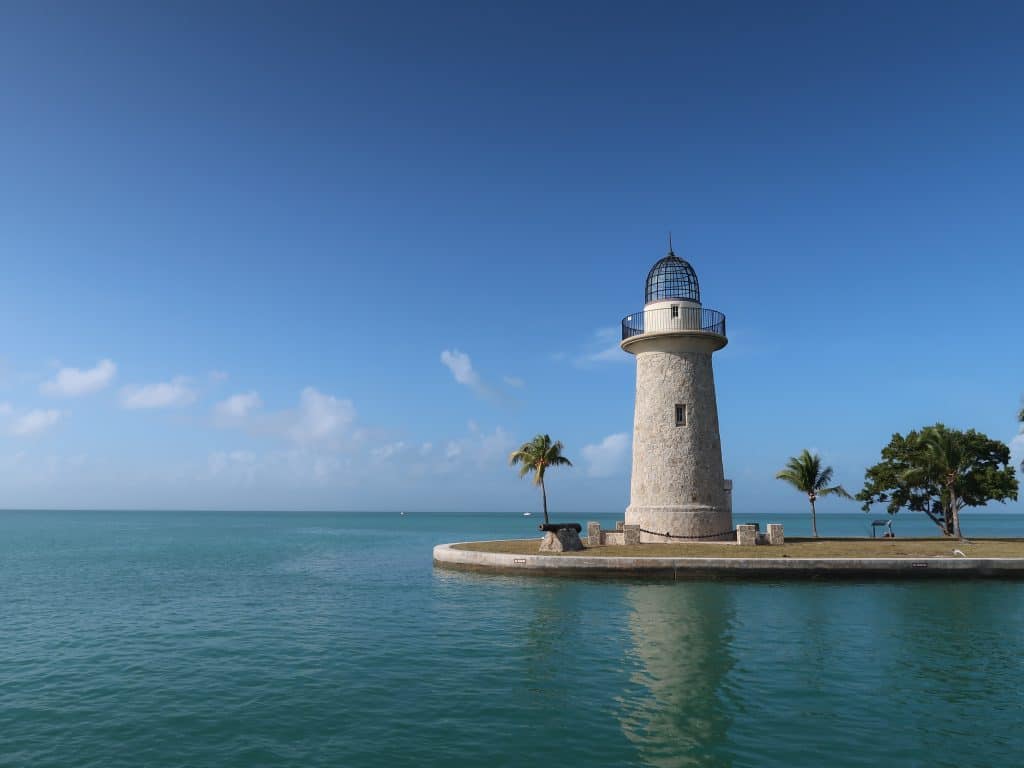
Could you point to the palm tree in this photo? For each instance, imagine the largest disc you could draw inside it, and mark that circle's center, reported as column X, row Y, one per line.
column 536, row 456
column 946, row 461
column 805, row 473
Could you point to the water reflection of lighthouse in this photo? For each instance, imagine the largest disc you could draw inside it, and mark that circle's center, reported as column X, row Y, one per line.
column 681, row 638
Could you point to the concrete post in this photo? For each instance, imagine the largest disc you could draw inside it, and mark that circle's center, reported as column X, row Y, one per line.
column 746, row 535
column 631, row 534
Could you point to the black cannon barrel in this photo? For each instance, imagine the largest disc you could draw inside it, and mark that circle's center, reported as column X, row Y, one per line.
column 556, row 527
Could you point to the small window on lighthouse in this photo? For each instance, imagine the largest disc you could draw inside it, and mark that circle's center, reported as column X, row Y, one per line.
column 675, row 310
column 680, row 415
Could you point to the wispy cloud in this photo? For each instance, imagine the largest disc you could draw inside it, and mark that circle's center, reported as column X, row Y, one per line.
column 602, row 347
column 461, row 367
column 292, row 466
column 462, row 370
column 609, row 457
column 320, row 417
column 319, row 421
column 34, row 422
column 347, row 456
column 388, row 451
column 72, row 382
column 477, row 448
column 175, row 393
column 236, row 408
column 240, row 465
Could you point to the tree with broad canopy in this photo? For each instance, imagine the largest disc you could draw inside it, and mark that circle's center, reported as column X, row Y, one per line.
column 939, row 471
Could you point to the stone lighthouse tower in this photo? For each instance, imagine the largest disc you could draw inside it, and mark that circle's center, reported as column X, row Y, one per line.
column 677, row 488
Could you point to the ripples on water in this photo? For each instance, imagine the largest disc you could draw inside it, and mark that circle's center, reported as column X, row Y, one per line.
column 131, row 639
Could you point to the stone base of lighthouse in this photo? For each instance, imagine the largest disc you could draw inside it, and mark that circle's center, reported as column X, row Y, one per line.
column 694, row 523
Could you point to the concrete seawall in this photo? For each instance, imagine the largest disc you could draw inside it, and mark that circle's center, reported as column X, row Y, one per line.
column 449, row 556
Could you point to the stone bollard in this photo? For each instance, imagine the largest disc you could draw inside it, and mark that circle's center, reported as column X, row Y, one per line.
column 746, row 535
column 594, row 534
column 775, row 535
column 630, row 534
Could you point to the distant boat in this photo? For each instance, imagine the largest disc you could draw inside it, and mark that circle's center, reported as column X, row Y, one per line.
column 527, row 514
column 402, row 514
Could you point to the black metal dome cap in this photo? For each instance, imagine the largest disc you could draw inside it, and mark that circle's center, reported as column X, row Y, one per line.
column 672, row 278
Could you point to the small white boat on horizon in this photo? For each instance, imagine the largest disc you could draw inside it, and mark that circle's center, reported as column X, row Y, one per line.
column 527, row 514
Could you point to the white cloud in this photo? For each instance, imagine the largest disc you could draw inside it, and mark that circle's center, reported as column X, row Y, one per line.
column 164, row 394
column 603, row 347
column 236, row 408
column 320, row 417
column 5, row 409
column 385, row 452
column 241, row 465
column 294, row 467
column 461, row 367
column 515, row 382
column 34, row 422
column 609, row 457
column 479, row 448
column 464, row 373
column 323, row 467
column 71, row 382
column 1017, row 450
column 218, row 375
column 319, row 420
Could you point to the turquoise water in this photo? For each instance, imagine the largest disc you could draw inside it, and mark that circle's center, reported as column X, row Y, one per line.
column 251, row 639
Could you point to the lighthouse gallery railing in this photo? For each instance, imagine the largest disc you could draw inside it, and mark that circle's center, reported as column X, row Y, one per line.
column 668, row 319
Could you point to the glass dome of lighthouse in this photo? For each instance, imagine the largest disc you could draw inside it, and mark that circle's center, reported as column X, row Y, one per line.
column 672, row 278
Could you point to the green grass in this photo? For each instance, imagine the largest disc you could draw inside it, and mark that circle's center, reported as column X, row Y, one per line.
column 912, row 548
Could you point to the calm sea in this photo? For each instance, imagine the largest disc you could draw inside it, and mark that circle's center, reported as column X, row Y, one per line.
column 259, row 639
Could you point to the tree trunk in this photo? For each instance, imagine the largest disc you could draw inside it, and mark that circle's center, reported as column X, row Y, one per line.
column 940, row 522
column 544, row 493
column 814, row 520
column 954, row 506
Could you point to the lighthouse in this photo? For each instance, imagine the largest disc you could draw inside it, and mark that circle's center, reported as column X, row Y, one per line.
column 678, row 489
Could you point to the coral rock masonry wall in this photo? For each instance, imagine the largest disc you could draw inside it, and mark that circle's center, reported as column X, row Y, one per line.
column 677, row 485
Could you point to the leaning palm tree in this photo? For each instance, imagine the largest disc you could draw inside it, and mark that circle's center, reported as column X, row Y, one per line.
column 945, row 461
column 805, row 473
column 536, row 456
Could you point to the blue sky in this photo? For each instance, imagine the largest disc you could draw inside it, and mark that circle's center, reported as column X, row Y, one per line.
column 346, row 256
